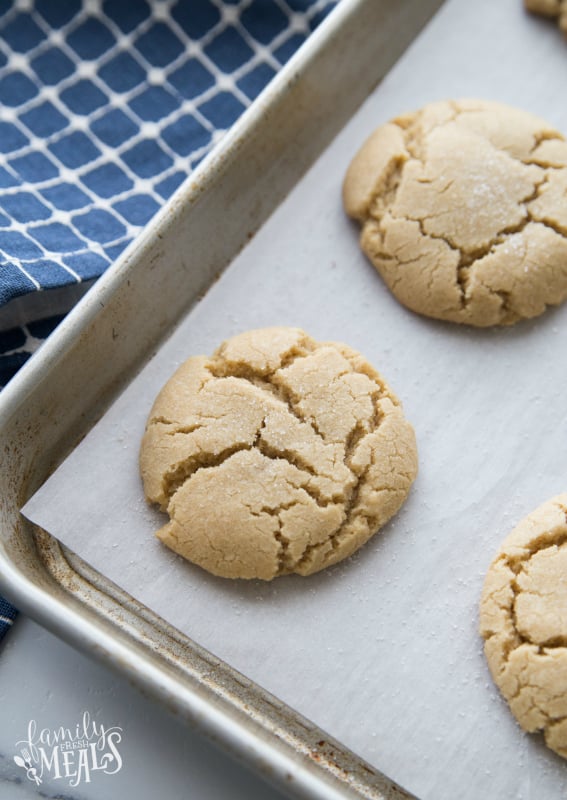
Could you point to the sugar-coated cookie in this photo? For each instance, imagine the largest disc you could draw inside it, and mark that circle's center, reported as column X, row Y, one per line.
column 463, row 208
column 523, row 620
column 550, row 8
column 278, row 454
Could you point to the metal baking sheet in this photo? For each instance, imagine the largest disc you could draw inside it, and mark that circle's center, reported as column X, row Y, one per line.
column 381, row 651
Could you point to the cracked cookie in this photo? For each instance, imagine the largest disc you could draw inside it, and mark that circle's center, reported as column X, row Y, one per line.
column 550, row 8
column 523, row 620
column 463, row 208
column 278, row 454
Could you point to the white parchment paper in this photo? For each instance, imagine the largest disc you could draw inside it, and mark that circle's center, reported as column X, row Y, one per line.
column 381, row 651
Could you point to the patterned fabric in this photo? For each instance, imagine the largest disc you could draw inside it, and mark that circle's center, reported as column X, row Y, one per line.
column 105, row 107
column 7, row 616
column 17, row 345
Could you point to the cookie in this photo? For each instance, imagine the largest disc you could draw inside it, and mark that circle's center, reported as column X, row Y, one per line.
column 523, row 620
column 463, row 208
column 550, row 8
column 278, row 454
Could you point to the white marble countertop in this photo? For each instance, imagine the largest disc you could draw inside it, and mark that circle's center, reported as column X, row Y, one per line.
column 43, row 678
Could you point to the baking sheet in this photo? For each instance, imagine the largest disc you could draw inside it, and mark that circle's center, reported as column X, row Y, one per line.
column 382, row 651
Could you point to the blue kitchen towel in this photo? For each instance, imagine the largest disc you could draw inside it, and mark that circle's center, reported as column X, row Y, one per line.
column 105, row 108
column 7, row 616
column 17, row 344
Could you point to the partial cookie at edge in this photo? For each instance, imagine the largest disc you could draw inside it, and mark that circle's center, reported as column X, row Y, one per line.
column 523, row 620
column 550, row 8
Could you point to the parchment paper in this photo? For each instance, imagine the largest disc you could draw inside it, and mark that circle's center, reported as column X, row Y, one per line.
column 381, row 651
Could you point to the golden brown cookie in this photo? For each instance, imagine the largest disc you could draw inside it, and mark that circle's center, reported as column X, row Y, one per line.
column 278, row 454
column 463, row 208
column 523, row 619
column 550, row 8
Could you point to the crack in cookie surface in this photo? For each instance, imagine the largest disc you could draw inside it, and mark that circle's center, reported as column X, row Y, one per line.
column 278, row 435
column 523, row 620
column 442, row 195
